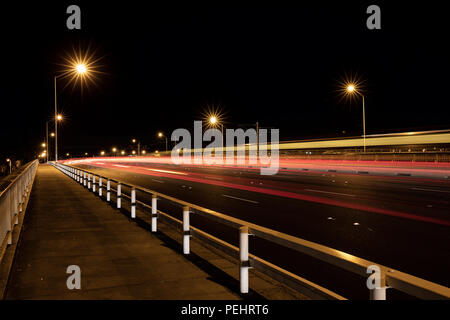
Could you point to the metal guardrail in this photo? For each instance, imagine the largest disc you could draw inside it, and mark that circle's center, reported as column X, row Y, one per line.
column 387, row 277
column 12, row 200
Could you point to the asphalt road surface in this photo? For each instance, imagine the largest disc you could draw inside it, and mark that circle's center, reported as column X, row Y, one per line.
column 399, row 222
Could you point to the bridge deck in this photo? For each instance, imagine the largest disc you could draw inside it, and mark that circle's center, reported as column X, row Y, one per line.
column 66, row 225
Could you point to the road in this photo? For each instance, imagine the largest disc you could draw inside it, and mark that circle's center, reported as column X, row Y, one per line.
column 400, row 222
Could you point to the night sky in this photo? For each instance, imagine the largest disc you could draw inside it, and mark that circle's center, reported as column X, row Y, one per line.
column 275, row 63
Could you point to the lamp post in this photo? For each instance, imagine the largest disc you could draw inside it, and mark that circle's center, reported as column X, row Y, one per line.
column 57, row 118
column 138, row 145
column 214, row 121
column 162, row 135
column 79, row 69
column 351, row 89
column 46, row 137
column 9, row 160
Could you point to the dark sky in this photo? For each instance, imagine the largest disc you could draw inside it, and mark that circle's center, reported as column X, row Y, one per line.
column 276, row 63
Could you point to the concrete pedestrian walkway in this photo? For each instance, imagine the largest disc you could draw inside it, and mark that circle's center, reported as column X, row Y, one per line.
column 66, row 225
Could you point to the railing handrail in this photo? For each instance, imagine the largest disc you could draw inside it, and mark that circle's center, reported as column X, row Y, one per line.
column 4, row 191
column 13, row 202
column 396, row 279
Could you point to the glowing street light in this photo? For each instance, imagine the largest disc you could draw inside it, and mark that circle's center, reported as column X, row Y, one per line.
column 133, row 152
column 81, row 68
column 351, row 88
column 57, row 118
column 43, row 145
column 143, row 152
column 214, row 122
column 78, row 67
column 162, row 135
column 138, row 146
column 102, row 153
column 9, row 160
column 122, row 152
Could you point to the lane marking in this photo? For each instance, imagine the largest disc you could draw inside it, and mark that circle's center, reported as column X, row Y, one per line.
column 432, row 190
column 337, row 193
column 167, row 171
column 216, row 178
column 251, row 201
column 158, row 181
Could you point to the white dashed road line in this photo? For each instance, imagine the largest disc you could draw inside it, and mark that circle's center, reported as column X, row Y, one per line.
column 432, row 190
column 251, row 201
column 337, row 193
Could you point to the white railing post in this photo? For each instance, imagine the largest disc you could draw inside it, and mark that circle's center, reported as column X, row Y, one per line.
column 100, row 186
column 186, row 230
column 154, row 213
column 93, row 184
column 9, row 215
column 89, row 181
column 84, row 179
column 108, row 190
column 16, row 204
column 119, row 195
column 378, row 294
column 243, row 257
column 20, row 186
column 28, row 182
column 133, row 202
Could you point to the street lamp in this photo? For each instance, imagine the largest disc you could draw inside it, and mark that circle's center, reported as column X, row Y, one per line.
column 77, row 70
column 114, row 150
column 162, row 135
column 352, row 89
column 44, row 145
column 214, row 122
column 58, row 117
column 138, row 146
column 9, row 160
column 102, row 153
